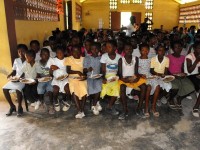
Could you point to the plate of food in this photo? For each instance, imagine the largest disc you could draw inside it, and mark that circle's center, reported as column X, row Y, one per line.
column 44, row 79
column 180, row 74
column 95, row 76
column 78, row 78
column 27, row 81
column 112, row 79
column 14, row 78
column 62, row 77
column 168, row 78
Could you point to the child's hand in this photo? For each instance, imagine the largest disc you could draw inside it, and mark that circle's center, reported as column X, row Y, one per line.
column 135, row 80
column 54, row 67
column 104, row 81
column 143, row 76
column 90, row 69
column 9, row 76
column 83, row 78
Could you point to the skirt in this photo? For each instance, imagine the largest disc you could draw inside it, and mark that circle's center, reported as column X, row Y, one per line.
column 94, row 86
column 14, row 86
column 60, row 84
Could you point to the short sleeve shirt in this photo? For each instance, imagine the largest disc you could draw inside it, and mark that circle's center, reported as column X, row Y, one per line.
column 175, row 64
column 30, row 71
column 111, row 65
column 159, row 67
column 43, row 69
column 17, row 66
column 192, row 57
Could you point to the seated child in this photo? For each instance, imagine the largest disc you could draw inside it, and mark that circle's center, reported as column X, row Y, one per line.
column 181, row 84
column 78, row 87
column 29, row 71
column 35, row 46
column 58, row 69
column 192, row 68
column 128, row 73
column 92, row 66
column 152, row 85
column 18, row 86
column 109, row 69
column 43, row 71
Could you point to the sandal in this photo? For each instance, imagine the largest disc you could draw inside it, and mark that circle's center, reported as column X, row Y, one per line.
column 195, row 112
column 155, row 113
column 179, row 106
column 172, row 106
column 147, row 115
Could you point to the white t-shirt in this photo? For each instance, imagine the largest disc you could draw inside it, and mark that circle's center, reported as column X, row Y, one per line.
column 59, row 63
column 152, row 53
column 136, row 52
column 192, row 57
column 130, row 29
column 111, row 65
column 44, row 69
column 17, row 66
column 37, row 56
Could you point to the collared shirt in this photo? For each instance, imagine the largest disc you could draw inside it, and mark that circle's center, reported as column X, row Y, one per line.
column 30, row 71
column 17, row 66
column 159, row 67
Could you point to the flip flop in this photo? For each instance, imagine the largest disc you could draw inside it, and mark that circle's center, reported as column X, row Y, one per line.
column 147, row 115
column 195, row 112
column 156, row 113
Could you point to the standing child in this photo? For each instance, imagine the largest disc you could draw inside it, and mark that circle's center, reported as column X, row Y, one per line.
column 192, row 68
column 78, row 87
column 43, row 70
column 109, row 68
column 152, row 85
column 18, row 86
column 92, row 66
column 128, row 72
column 29, row 70
column 60, row 83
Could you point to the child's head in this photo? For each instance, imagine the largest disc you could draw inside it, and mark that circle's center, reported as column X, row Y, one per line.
column 35, row 45
column 120, row 44
column 134, row 41
column 128, row 49
column 45, row 43
column 75, row 40
column 87, row 44
column 76, row 51
column 177, row 47
column 152, row 40
column 160, row 50
column 111, row 46
column 95, row 48
column 196, row 47
column 144, row 49
column 60, row 52
column 30, row 56
column 52, row 42
column 21, row 49
column 45, row 54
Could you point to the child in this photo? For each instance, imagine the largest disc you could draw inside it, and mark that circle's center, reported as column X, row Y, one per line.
column 181, row 84
column 18, row 86
column 134, row 43
column 51, row 47
column 35, row 46
column 58, row 69
column 29, row 70
column 192, row 68
column 152, row 85
column 78, row 87
column 109, row 69
column 92, row 66
column 159, row 67
column 87, row 47
column 152, row 43
column 128, row 73
column 43, row 71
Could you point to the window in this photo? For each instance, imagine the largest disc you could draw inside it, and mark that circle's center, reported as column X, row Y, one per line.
column 150, row 16
column 149, row 4
column 113, row 4
column 137, row 1
column 125, row 1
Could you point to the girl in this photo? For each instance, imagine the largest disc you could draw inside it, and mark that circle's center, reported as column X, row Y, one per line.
column 44, row 71
column 92, row 66
column 181, row 84
column 152, row 43
column 18, row 86
column 192, row 68
column 159, row 67
column 109, row 68
column 134, row 43
column 128, row 73
column 78, row 87
column 87, row 47
column 58, row 70
column 152, row 85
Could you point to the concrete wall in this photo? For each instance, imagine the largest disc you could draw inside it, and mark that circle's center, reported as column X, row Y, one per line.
column 5, row 60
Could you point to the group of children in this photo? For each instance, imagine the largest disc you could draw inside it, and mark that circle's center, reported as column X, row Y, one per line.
column 125, row 66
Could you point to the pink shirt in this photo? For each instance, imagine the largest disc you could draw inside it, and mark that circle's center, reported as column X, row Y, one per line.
column 175, row 64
